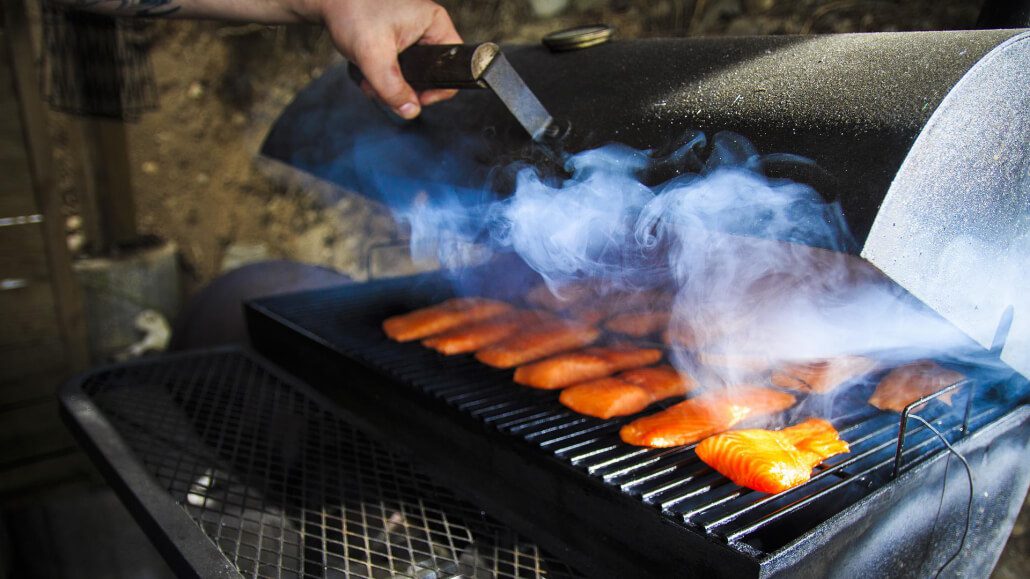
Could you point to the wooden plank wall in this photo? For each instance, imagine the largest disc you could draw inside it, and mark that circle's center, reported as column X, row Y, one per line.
column 41, row 336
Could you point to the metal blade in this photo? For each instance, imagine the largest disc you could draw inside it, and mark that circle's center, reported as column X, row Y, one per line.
column 954, row 229
column 513, row 92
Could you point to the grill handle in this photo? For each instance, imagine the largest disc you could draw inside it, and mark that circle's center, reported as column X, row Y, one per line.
column 429, row 66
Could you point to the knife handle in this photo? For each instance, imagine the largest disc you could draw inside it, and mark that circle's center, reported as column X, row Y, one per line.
column 429, row 66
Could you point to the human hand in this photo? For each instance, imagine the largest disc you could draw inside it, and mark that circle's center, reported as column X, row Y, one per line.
column 370, row 33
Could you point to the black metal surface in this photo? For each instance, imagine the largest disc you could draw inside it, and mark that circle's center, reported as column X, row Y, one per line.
column 234, row 469
column 567, row 476
column 853, row 103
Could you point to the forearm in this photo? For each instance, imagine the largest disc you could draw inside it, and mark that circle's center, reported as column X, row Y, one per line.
column 262, row 11
column 369, row 33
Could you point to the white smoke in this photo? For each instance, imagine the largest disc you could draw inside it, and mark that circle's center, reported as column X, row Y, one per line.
column 759, row 264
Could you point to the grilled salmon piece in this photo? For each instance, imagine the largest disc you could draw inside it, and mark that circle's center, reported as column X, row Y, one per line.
column 702, row 416
column 469, row 338
column 575, row 367
column 628, row 393
column 748, row 363
column 606, row 397
column 592, row 315
column 444, row 316
column 661, row 382
column 906, row 384
column 638, row 324
column 680, row 335
column 822, row 376
column 545, row 339
column 571, row 294
column 772, row 461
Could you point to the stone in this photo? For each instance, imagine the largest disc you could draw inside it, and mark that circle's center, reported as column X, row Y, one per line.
column 116, row 289
column 241, row 253
column 548, row 8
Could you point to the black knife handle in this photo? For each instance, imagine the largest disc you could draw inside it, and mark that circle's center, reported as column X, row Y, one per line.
column 428, row 66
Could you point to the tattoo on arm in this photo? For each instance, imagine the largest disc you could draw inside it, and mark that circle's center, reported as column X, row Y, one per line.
column 152, row 8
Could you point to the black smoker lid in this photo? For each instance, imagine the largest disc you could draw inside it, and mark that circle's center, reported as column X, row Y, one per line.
column 853, row 103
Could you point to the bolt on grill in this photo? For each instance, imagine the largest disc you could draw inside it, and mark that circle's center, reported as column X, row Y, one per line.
column 286, row 487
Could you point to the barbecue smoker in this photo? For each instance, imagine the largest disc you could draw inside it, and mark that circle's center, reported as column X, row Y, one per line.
column 857, row 106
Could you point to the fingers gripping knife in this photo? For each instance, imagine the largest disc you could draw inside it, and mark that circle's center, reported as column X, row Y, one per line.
column 461, row 66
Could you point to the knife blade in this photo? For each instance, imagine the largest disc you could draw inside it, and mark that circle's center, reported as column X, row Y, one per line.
column 518, row 98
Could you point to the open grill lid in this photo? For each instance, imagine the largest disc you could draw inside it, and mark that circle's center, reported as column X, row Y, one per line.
column 852, row 103
column 938, row 119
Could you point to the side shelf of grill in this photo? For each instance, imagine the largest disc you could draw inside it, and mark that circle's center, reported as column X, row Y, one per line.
column 235, row 469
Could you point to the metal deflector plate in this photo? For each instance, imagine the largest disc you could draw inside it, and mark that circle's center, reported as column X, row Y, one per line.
column 954, row 229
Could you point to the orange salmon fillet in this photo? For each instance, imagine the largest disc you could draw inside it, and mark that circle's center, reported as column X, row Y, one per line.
column 546, row 339
column 592, row 315
column 822, row 376
column 751, row 363
column 638, row 324
column 571, row 294
column 903, row 386
column 700, row 417
column 575, row 367
column 444, row 316
column 679, row 335
column 772, row 461
column 628, row 393
column 465, row 339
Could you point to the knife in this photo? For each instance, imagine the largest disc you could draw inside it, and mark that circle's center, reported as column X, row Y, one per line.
column 461, row 66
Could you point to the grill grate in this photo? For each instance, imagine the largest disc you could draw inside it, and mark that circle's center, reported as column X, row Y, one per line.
column 674, row 481
column 286, row 488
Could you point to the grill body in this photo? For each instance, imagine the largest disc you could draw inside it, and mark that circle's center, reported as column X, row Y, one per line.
column 611, row 509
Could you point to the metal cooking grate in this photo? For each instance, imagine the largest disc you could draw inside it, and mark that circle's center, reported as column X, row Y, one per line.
column 674, row 481
column 286, row 488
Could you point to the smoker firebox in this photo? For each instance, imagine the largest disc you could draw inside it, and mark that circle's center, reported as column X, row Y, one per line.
column 612, row 509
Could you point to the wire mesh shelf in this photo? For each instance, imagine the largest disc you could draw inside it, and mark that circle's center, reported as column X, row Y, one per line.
column 286, row 487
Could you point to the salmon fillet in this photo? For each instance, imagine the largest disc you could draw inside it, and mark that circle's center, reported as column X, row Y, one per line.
column 444, row 316
column 628, row 393
column 575, row 367
column 660, row 381
column 822, row 376
column 469, row 338
column 592, row 315
column 546, row 339
column 903, row 386
column 772, row 461
column 750, row 363
column 680, row 335
column 638, row 324
column 541, row 296
column 702, row 416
